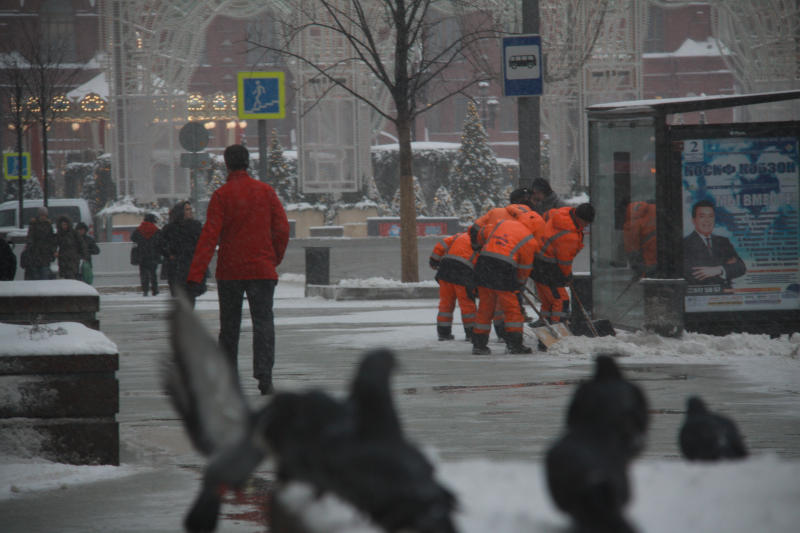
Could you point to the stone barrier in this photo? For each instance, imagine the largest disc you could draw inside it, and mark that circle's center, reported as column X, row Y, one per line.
column 60, row 394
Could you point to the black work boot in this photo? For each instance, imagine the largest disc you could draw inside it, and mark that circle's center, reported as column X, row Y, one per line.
column 514, row 343
column 479, row 344
column 468, row 334
column 445, row 333
column 500, row 329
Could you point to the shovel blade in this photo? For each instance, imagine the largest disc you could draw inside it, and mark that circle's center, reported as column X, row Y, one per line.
column 545, row 333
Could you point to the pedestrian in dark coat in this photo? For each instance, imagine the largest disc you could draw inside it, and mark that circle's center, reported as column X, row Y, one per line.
column 70, row 249
column 178, row 241
column 147, row 238
column 86, row 271
column 246, row 218
column 543, row 197
column 8, row 261
column 40, row 247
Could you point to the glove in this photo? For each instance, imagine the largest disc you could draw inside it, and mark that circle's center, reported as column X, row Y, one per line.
column 195, row 289
column 433, row 263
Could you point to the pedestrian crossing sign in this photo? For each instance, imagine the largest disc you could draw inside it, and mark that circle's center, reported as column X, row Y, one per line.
column 13, row 164
column 261, row 95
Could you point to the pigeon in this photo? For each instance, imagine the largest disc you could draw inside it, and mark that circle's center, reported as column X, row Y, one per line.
column 707, row 436
column 375, row 467
column 353, row 448
column 383, row 473
column 588, row 480
column 610, row 401
column 203, row 387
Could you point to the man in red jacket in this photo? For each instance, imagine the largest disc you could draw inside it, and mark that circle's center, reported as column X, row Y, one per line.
column 246, row 218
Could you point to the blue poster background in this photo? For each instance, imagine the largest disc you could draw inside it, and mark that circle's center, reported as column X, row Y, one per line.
column 753, row 183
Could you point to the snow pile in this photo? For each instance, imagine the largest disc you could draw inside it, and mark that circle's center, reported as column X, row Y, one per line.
column 23, row 476
column 58, row 338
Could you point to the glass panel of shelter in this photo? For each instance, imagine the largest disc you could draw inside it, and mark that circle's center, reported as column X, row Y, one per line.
column 623, row 188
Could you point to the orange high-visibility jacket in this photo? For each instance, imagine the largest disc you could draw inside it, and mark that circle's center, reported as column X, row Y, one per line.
column 639, row 231
column 562, row 239
column 455, row 259
column 493, row 216
column 506, row 258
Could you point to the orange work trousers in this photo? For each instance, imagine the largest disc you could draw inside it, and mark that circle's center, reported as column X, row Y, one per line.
column 488, row 299
column 555, row 302
column 449, row 293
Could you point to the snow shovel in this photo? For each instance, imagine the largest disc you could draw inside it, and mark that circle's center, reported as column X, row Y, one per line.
column 550, row 333
column 598, row 328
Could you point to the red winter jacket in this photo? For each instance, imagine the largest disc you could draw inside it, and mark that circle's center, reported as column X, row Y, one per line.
column 247, row 219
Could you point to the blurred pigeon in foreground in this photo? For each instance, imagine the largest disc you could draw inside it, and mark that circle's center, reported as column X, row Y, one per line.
column 204, row 389
column 354, row 449
column 610, row 401
column 588, row 480
column 382, row 473
column 707, row 436
column 369, row 464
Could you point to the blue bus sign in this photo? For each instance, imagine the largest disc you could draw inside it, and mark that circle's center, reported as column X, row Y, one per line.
column 522, row 65
column 261, row 95
column 12, row 163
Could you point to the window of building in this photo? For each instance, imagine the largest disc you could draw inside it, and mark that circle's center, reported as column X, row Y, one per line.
column 58, row 28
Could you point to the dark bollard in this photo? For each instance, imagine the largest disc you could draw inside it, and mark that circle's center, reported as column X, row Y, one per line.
column 318, row 265
column 663, row 306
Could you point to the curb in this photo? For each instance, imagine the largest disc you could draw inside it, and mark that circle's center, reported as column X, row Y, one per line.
column 335, row 292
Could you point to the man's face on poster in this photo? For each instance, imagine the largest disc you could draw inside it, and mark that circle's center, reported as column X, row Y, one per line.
column 704, row 220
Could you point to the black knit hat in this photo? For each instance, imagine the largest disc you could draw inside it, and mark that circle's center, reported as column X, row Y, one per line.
column 585, row 212
column 519, row 196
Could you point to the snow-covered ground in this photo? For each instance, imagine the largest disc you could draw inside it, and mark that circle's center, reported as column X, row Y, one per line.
column 758, row 494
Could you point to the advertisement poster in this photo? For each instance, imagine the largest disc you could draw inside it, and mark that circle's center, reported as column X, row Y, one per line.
column 741, row 244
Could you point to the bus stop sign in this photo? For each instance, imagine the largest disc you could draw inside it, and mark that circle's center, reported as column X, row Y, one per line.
column 522, row 65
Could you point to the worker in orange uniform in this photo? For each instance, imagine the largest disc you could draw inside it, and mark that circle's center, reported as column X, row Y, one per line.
column 504, row 264
column 562, row 239
column 639, row 236
column 454, row 259
column 519, row 205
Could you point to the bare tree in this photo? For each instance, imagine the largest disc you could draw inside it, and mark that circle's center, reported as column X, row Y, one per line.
column 13, row 71
column 401, row 47
column 48, row 78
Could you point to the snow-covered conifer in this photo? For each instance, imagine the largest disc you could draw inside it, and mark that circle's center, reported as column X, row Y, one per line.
column 475, row 175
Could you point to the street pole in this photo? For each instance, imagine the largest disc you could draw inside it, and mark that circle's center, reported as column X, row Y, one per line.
column 262, row 149
column 528, row 110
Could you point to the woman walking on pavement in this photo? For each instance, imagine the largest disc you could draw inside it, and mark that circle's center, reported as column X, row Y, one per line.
column 147, row 237
column 178, row 241
column 71, row 249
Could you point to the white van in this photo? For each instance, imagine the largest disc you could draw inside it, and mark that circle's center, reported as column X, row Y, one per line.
column 77, row 209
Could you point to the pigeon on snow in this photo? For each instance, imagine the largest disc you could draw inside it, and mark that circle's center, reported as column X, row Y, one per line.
column 707, row 436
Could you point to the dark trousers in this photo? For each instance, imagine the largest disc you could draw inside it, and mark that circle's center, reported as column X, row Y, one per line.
column 149, row 278
column 259, row 298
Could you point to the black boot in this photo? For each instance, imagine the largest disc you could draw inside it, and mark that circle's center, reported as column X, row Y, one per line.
column 265, row 386
column 445, row 333
column 514, row 343
column 500, row 329
column 468, row 334
column 479, row 344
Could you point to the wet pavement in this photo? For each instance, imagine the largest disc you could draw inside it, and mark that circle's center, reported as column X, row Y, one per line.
column 462, row 406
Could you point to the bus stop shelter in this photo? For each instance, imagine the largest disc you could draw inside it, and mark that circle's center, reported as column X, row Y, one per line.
column 696, row 225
